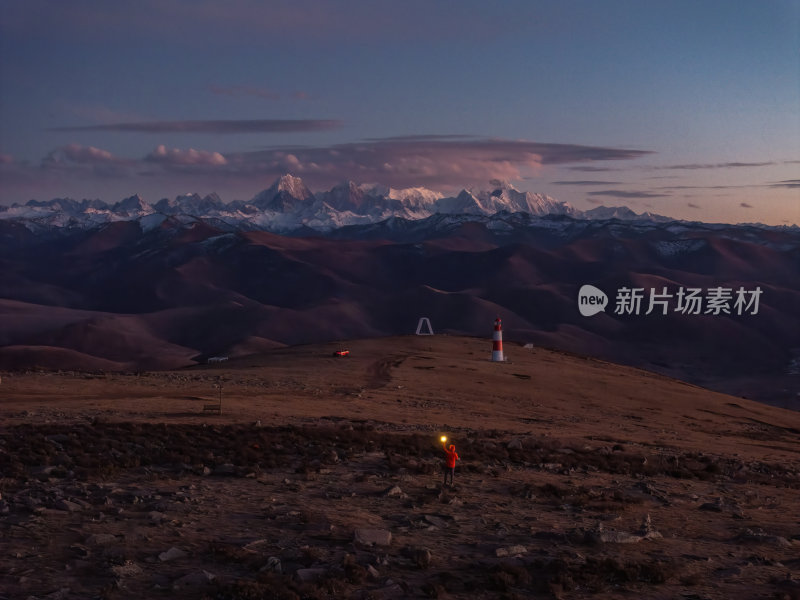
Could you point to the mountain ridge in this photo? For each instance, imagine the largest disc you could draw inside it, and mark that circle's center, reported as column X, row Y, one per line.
column 289, row 205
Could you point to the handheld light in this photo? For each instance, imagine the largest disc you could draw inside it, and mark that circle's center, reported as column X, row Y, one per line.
column 444, row 438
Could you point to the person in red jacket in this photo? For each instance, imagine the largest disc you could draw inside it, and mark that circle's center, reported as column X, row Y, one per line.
column 450, row 462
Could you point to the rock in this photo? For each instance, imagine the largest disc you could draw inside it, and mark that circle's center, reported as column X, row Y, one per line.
column 200, row 578
column 309, row 575
column 647, row 531
column 436, row 521
column 66, row 505
column 373, row 537
column 156, row 517
column 515, row 444
column 422, row 557
column 171, row 554
column 129, row 569
column 715, row 506
column 394, row 491
column 510, row 551
column 80, row 550
column 748, row 535
column 373, row 572
column 273, row 565
column 101, row 539
column 4, row 507
column 255, row 545
column 599, row 535
column 619, row 537
column 226, row 469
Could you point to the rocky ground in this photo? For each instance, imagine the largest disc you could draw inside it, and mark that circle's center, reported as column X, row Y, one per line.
column 337, row 494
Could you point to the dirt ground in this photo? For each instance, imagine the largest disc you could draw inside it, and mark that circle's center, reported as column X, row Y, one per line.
column 321, row 478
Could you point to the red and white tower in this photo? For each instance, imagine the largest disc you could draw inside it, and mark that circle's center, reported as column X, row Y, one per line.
column 497, row 341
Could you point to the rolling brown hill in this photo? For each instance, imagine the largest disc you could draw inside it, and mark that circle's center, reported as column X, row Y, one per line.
column 176, row 295
column 577, row 478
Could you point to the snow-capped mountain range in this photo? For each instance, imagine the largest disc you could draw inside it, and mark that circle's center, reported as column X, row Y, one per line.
column 288, row 205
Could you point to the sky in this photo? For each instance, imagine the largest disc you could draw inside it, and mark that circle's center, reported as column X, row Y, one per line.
column 689, row 109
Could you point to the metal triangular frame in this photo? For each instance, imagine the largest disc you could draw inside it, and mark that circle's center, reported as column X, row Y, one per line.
column 422, row 322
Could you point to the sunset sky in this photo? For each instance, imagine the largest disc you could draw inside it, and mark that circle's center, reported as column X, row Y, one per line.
column 689, row 109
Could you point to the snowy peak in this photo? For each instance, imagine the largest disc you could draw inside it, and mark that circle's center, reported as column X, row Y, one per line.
column 416, row 197
column 505, row 196
column 622, row 213
column 286, row 194
column 349, row 196
column 289, row 206
column 465, row 203
column 132, row 206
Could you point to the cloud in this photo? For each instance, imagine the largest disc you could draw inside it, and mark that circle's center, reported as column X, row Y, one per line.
column 75, row 162
column 728, row 165
column 421, row 138
column 6, row 159
column 704, row 187
column 627, row 194
column 591, row 169
column 77, row 154
column 789, row 183
column 191, row 157
column 586, row 182
column 444, row 163
column 746, row 205
column 429, row 160
column 214, row 126
column 692, row 205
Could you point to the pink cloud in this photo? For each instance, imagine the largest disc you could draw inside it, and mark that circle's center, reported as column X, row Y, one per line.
column 82, row 155
column 177, row 156
column 444, row 163
column 6, row 159
column 438, row 162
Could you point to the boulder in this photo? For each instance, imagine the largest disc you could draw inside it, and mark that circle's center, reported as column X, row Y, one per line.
column 373, row 537
column 129, row 569
column 197, row 579
column 510, row 551
column 171, row 554
column 66, row 505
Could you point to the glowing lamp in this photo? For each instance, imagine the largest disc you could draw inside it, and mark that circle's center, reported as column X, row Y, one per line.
column 444, row 439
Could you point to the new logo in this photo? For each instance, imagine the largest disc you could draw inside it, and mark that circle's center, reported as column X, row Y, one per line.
column 591, row 300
